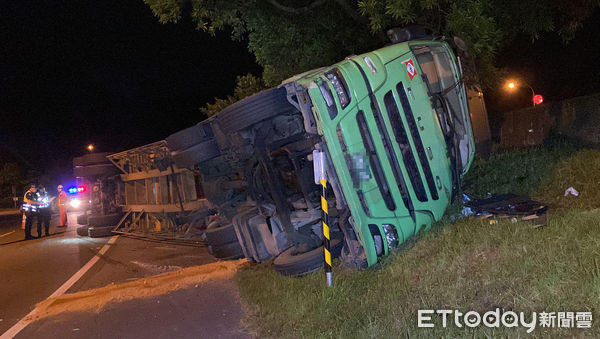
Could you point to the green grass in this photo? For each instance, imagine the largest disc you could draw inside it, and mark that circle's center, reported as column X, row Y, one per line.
column 466, row 265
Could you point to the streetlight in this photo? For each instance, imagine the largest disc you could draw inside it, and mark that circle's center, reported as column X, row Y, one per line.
column 90, row 147
column 535, row 98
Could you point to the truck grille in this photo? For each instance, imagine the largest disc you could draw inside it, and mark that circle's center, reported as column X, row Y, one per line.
column 414, row 131
column 402, row 139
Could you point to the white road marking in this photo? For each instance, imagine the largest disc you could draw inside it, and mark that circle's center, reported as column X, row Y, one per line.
column 19, row 326
column 5, row 234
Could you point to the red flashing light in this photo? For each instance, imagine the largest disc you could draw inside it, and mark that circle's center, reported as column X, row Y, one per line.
column 537, row 99
column 80, row 189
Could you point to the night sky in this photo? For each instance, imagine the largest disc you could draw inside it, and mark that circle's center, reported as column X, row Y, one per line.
column 553, row 68
column 106, row 72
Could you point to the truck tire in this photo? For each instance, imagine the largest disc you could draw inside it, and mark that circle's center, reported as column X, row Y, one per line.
column 105, row 220
column 190, row 136
column 196, row 154
column 92, row 171
column 253, row 109
column 82, row 231
column 220, row 235
column 289, row 264
column 229, row 251
column 82, row 219
column 100, row 231
column 91, row 159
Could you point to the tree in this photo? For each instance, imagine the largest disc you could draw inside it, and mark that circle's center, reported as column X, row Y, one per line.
column 10, row 175
column 485, row 25
column 288, row 37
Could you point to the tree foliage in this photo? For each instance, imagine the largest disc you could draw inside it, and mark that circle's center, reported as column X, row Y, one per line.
column 288, row 37
column 11, row 175
column 285, row 37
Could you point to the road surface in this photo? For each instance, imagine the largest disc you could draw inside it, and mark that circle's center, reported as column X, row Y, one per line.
column 33, row 270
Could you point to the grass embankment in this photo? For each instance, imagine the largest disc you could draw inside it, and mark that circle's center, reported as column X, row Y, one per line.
column 466, row 265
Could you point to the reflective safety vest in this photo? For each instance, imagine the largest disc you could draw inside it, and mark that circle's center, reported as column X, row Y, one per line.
column 62, row 198
column 28, row 202
column 44, row 198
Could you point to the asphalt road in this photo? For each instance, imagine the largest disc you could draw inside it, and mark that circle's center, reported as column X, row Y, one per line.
column 32, row 270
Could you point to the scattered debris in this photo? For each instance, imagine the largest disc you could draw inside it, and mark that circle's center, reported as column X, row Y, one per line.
column 96, row 299
column 501, row 206
column 572, row 191
column 156, row 269
column 506, row 204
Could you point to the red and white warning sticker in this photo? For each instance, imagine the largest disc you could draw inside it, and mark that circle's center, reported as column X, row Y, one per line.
column 410, row 68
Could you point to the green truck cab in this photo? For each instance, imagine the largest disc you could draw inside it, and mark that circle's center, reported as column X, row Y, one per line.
column 396, row 126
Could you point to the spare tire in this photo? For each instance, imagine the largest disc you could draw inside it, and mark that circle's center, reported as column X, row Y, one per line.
column 196, row 154
column 190, row 136
column 220, row 235
column 82, row 231
column 227, row 251
column 105, row 220
column 294, row 264
column 82, row 219
column 92, row 171
column 253, row 109
column 100, row 231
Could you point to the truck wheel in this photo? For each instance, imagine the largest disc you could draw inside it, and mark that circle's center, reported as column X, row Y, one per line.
column 220, row 235
column 196, row 154
column 105, row 220
column 82, row 231
column 82, row 219
column 190, row 136
column 254, row 109
column 91, row 171
column 294, row 264
column 229, row 251
column 100, row 231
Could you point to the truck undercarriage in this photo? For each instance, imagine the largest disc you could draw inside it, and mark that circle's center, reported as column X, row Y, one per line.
column 393, row 126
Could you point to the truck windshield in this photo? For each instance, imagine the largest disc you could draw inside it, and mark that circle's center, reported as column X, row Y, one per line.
column 441, row 77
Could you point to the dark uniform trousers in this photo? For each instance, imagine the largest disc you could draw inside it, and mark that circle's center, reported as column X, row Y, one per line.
column 30, row 213
column 44, row 216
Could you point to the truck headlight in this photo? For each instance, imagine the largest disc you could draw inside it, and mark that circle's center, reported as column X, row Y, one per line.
column 391, row 236
column 75, row 203
column 339, row 85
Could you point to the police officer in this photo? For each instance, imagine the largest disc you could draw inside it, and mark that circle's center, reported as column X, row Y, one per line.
column 44, row 212
column 30, row 207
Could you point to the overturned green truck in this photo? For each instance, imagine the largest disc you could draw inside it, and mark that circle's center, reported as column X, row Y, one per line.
column 395, row 129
